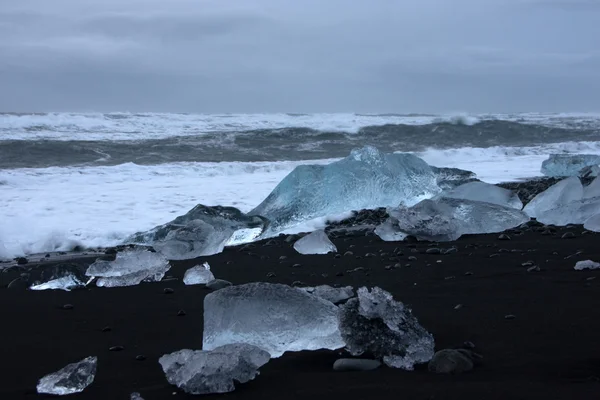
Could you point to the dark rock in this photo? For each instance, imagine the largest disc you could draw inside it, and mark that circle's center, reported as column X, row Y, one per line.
column 21, row 260
column 355, row 364
column 217, row 284
column 116, row 348
column 140, row 357
column 106, row 329
column 168, row 290
column 181, row 313
column 510, row 316
column 296, row 265
column 432, row 250
column 568, row 235
column 412, row 258
column 451, row 361
column 503, row 236
column 18, row 283
column 348, row 253
column 271, row 275
column 68, row 307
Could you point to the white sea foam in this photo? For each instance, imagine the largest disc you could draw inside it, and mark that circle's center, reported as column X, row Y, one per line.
column 57, row 208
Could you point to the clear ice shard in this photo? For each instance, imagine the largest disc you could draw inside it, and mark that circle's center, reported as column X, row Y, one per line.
column 64, row 283
column 366, row 179
column 215, row 371
column 334, row 295
column 274, row 317
column 202, row 231
column 561, row 193
column 587, row 264
column 73, row 378
column 592, row 190
column 316, row 242
column 376, row 325
column 558, row 165
column 198, row 275
column 575, row 212
column 481, row 191
column 130, row 268
column 446, row 219
column 593, row 223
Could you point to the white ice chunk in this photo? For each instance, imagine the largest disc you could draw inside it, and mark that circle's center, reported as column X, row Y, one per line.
column 568, row 164
column 130, row 267
column 376, row 324
column 576, row 212
column 274, row 317
column 334, row 295
column 592, row 190
column 388, row 231
column 446, row 219
column 559, row 194
column 593, row 223
column 216, row 371
column 367, row 178
column 316, row 242
column 65, row 283
column 198, row 275
column 481, row 191
column 587, row 264
column 73, row 378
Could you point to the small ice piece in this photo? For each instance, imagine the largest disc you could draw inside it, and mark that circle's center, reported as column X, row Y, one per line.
column 334, row 295
column 130, row 267
column 576, row 212
column 568, row 164
column 274, row 317
column 446, row 219
column 198, row 275
column 593, row 223
column 65, row 283
column 216, row 371
column 559, row 194
column 73, row 378
column 316, row 242
column 388, row 232
column 136, row 396
column 587, row 264
column 481, row 191
column 376, row 324
column 592, row 190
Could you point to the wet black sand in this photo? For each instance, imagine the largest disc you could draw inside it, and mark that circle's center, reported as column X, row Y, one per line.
column 550, row 350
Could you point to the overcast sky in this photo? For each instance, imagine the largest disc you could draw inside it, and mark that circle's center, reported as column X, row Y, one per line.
column 300, row 55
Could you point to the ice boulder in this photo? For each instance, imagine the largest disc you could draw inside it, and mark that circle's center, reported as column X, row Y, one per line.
column 593, row 223
column 366, row 179
column 586, row 264
column 334, row 295
column 589, row 171
column 315, row 242
column 73, row 378
column 568, row 164
column 377, row 325
column 130, row 267
column 592, row 190
column 575, row 212
column 481, row 191
column 198, row 275
column 561, row 193
column 215, row 371
column 202, row 231
column 274, row 317
column 446, row 219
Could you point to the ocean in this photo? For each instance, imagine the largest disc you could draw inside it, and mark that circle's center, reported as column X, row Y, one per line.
column 92, row 179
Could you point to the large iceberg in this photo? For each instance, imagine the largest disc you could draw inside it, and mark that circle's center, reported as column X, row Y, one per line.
column 73, row 378
column 376, row 324
column 216, row 371
column 202, row 231
column 561, row 193
column 367, row 178
column 481, row 191
column 568, row 164
column 274, row 317
column 130, row 267
column 316, row 242
column 447, row 219
column 575, row 212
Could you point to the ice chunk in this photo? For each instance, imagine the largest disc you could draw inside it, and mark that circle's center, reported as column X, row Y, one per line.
column 334, row 295
column 202, row 231
column 481, row 191
column 448, row 178
column 388, row 231
column 130, row 267
column 446, row 219
column 366, row 179
column 589, row 171
column 216, row 371
column 274, row 317
column 316, row 242
column 568, row 164
column 376, row 324
column 73, row 378
column 587, row 264
column 593, row 223
column 559, row 194
column 198, row 275
column 575, row 212
column 592, row 190
column 135, row 396
column 65, row 283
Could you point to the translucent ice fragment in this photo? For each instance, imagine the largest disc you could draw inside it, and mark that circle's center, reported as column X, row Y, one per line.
column 130, row 267
column 568, row 164
column 481, row 191
column 73, row 378
column 65, row 283
column 587, row 264
column 198, row 275
column 315, row 242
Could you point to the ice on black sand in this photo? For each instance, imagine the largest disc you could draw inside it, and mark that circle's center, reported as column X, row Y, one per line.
column 130, row 268
column 316, row 242
column 73, row 378
column 198, row 275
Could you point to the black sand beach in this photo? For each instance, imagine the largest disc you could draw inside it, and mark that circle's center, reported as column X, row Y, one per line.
column 547, row 349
